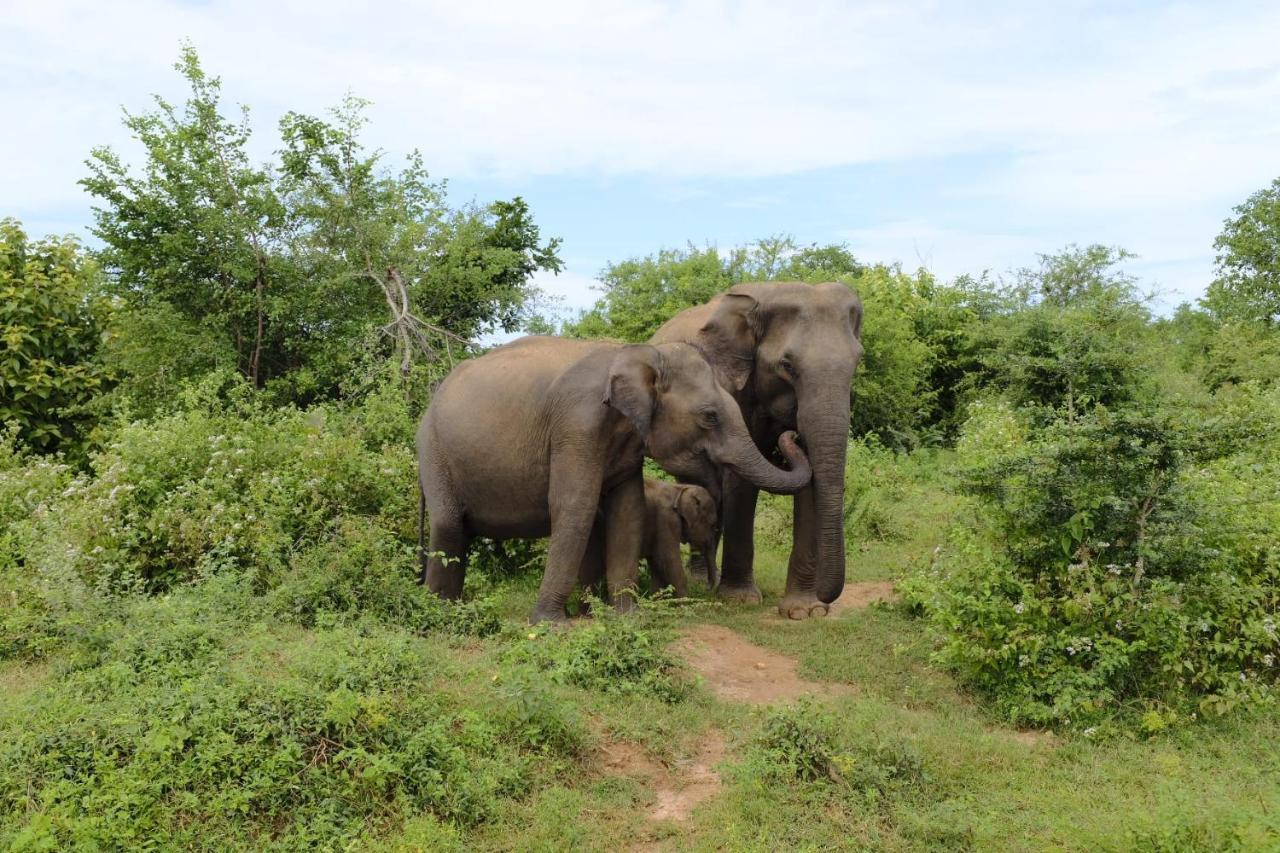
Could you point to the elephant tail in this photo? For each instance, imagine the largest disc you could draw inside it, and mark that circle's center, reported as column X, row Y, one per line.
column 422, row 531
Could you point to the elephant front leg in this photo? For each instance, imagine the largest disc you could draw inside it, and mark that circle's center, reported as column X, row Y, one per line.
column 801, row 600
column 624, row 532
column 574, row 499
column 737, row 572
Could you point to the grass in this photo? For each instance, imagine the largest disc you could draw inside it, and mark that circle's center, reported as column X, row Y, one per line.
column 981, row 785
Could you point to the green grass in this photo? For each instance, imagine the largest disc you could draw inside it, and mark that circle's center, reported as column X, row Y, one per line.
column 981, row 785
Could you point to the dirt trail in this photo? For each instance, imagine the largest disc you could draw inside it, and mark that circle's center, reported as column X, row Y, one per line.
column 678, row 790
column 741, row 671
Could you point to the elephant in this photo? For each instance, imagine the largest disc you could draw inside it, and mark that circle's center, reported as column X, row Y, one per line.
column 675, row 513
column 787, row 351
column 547, row 436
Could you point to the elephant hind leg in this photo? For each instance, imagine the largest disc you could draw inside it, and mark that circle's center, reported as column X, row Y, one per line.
column 446, row 558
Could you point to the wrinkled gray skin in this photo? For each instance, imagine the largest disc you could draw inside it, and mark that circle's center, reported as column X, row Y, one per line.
column 675, row 513
column 548, row 436
column 787, row 351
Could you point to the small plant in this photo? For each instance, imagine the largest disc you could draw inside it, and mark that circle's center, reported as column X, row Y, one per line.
column 609, row 653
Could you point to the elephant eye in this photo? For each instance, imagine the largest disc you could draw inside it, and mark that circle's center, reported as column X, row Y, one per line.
column 710, row 418
column 787, row 366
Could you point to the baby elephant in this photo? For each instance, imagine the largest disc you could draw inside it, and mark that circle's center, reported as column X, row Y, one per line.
column 674, row 514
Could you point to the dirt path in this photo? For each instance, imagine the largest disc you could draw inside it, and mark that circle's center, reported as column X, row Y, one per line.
column 740, row 671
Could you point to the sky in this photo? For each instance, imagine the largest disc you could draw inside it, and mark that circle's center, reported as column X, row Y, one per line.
column 959, row 137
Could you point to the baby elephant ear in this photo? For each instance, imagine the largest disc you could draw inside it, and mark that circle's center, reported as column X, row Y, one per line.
column 631, row 387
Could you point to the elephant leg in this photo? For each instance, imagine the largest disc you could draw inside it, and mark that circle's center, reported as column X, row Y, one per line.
column 591, row 574
column 800, row 600
column 574, row 498
column 665, row 564
column 624, row 531
column 737, row 573
column 704, row 565
column 446, row 559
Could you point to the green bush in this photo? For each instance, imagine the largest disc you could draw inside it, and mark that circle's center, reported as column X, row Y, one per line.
column 190, row 724
column 1122, row 561
column 202, row 490
column 50, row 331
column 365, row 572
column 803, row 743
column 608, row 653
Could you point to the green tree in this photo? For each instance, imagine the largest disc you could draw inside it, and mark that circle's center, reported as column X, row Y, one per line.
column 302, row 275
column 201, row 228
column 1247, row 286
column 50, row 332
column 1070, row 332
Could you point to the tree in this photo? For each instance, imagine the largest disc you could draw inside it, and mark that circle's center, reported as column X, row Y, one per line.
column 307, row 270
column 50, row 331
column 1069, row 334
column 1247, row 286
column 200, row 229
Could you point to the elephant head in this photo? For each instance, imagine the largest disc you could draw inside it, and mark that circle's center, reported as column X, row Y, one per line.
column 690, row 425
column 698, row 524
column 792, row 349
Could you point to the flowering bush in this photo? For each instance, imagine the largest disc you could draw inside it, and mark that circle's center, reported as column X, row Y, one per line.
column 1121, row 560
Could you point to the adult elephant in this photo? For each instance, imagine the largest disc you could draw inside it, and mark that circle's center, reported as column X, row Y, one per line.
column 787, row 351
column 548, row 436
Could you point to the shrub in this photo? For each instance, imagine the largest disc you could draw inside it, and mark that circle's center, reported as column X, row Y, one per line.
column 203, row 490
column 1122, row 561
column 608, row 653
column 188, row 721
column 802, row 743
column 50, row 329
column 365, row 572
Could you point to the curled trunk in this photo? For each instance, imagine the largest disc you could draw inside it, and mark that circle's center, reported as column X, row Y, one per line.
column 745, row 460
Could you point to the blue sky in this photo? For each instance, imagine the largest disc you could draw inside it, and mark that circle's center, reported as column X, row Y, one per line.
column 960, row 137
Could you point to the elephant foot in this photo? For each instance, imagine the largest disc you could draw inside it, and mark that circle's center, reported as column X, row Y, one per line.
column 548, row 614
column 799, row 605
column 748, row 594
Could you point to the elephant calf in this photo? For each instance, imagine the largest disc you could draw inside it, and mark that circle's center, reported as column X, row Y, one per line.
column 548, row 436
column 674, row 514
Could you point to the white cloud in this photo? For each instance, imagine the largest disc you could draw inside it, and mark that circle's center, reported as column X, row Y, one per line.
column 1149, row 112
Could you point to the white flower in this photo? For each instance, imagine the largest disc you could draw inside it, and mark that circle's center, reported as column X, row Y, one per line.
column 1023, row 660
column 1090, row 732
column 1243, row 677
column 1018, row 608
column 1268, row 659
column 1204, row 627
column 1071, row 650
column 1269, row 625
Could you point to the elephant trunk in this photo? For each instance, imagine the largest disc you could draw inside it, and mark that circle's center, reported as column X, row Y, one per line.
column 744, row 459
column 825, row 427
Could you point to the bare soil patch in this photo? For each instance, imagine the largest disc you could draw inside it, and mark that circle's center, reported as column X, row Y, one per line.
column 678, row 790
column 740, row 671
column 857, row 596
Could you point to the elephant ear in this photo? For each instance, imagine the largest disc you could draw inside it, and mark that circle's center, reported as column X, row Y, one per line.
column 729, row 338
column 684, row 507
column 632, row 385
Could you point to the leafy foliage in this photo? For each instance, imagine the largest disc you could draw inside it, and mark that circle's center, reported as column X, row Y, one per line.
column 1124, row 561
column 295, row 273
column 1247, row 287
column 50, row 332
column 612, row 654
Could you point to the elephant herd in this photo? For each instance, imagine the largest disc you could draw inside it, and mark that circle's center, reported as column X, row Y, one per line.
column 548, row 436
